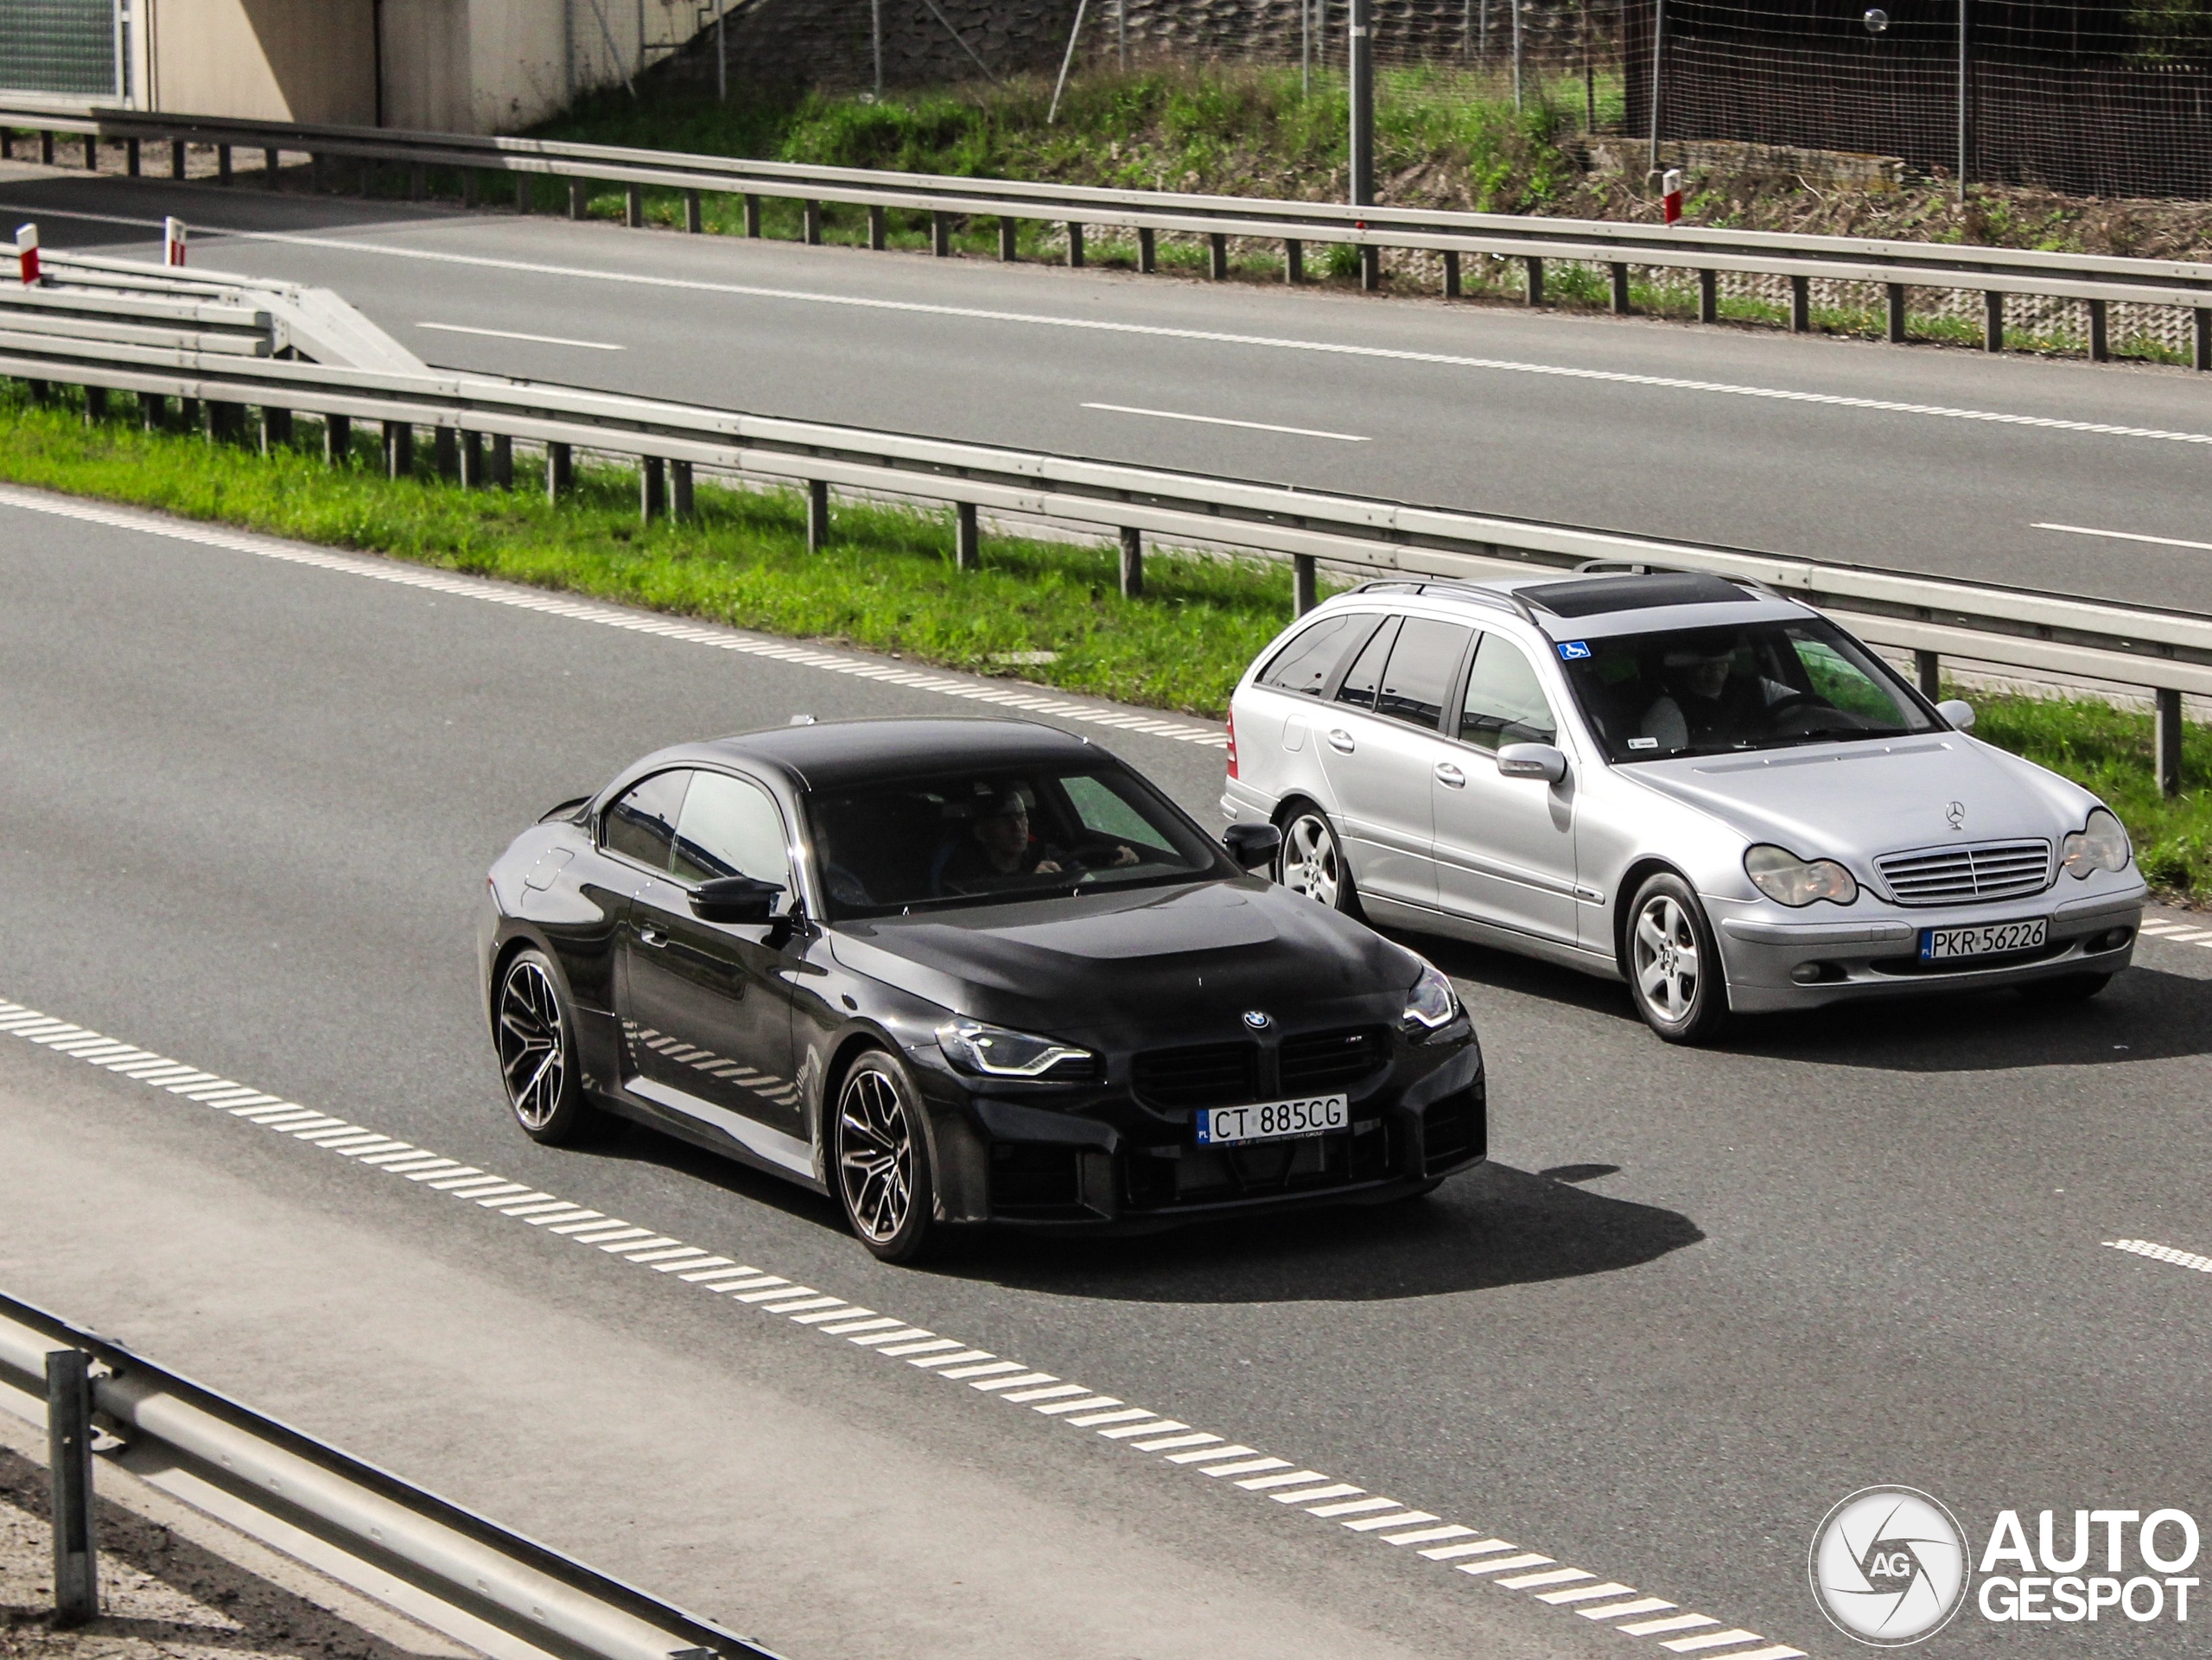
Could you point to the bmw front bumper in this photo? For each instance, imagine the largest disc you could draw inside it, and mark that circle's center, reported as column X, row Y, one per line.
column 1777, row 958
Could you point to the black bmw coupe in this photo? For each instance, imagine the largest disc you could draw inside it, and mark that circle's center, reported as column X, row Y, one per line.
column 964, row 971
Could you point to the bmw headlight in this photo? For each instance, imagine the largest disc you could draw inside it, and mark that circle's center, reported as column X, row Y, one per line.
column 1432, row 1003
column 1788, row 880
column 2099, row 845
column 993, row 1051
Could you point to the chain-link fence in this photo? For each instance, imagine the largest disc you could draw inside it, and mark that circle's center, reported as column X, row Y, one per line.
column 2093, row 96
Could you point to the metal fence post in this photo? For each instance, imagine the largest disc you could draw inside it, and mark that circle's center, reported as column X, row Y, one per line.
column 1305, row 584
column 276, row 430
column 1928, row 670
column 2166, row 741
column 222, row 164
column 560, row 471
column 272, row 163
column 941, row 235
column 1075, row 245
column 1009, row 232
column 472, row 461
column 652, row 489
column 1371, row 267
column 694, row 219
column 1708, row 296
column 579, row 200
column 398, row 449
column 1293, row 260
column 1895, row 297
column 503, row 461
column 1658, row 74
column 1217, row 256
column 130, row 157
column 95, row 405
column 1620, row 289
column 2100, row 339
column 338, row 439
column 752, row 214
column 1147, row 249
column 818, row 515
column 2203, row 355
column 967, row 538
column 46, row 148
column 153, row 412
column 522, row 193
column 92, row 152
column 879, row 228
column 472, row 184
column 176, row 158
column 1450, row 273
column 1360, row 63
column 810, row 223
column 1132, row 563
column 445, row 449
column 1801, row 304
column 633, row 206
column 1535, row 280
column 683, row 502
column 1993, row 320
column 69, row 1446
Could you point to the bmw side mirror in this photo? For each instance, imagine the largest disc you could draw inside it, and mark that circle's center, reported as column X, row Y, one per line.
column 1531, row 760
column 1252, row 845
column 1958, row 712
column 735, row 898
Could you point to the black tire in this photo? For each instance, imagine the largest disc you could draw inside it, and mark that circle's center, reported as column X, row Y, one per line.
column 1312, row 860
column 2066, row 989
column 880, row 1159
column 535, row 1029
column 1673, row 964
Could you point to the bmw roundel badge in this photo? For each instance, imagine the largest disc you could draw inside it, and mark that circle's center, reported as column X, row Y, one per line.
column 1257, row 1019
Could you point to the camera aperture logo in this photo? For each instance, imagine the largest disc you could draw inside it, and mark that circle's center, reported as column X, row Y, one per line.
column 1889, row 1566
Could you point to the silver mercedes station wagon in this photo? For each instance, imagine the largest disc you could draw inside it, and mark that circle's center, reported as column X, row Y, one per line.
column 1681, row 780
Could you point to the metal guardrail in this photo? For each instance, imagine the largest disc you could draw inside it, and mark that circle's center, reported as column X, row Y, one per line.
column 529, row 1590
column 2097, row 280
column 2169, row 652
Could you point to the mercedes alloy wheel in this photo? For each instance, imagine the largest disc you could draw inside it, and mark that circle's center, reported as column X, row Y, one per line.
column 1674, row 971
column 536, row 1045
column 882, row 1159
column 1311, row 861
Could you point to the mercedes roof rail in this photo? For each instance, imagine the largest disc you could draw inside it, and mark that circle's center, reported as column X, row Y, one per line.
column 1471, row 593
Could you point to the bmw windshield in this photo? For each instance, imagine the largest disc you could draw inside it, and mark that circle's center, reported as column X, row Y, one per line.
column 1760, row 685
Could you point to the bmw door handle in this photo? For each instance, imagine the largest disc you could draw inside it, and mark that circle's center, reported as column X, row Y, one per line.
column 1446, row 773
column 1340, row 740
column 652, row 937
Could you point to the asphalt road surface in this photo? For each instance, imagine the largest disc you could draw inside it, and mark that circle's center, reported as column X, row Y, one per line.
column 247, row 803
column 1926, row 459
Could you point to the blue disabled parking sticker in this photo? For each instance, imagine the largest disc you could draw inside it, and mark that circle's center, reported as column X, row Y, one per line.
column 1570, row 649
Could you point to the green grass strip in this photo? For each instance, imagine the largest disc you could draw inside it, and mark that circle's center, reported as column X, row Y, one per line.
column 887, row 583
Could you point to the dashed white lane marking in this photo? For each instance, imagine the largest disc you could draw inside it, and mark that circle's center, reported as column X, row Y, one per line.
column 510, row 335
column 1103, row 326
column 1223, row 421
column 608, row 616
column 2176, row 931
column 2126, row 536
column 1494, row 1561
column 2158, row 1253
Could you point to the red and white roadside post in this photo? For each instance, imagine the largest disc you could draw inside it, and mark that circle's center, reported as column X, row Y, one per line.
column 172, row 241
column 1670, row 194
column 27, row 253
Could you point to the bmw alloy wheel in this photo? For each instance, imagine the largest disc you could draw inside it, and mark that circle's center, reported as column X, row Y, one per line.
column 1674, row 966
column 1311, row 861
column 882, row 1160
column 536, row 1050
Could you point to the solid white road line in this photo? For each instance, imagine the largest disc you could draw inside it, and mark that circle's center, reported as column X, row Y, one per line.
column 2158, row 1253
column 474, row 587
column 2126, row 535
column 510, row 335
column 1096, row 325
column 1223, row 421
column 1349, row 1507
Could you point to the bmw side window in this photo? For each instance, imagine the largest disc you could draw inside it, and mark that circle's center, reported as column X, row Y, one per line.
column 1305, row 665
column 1422, row 665
column 729, row 827
column 642, row 823
column 1365, row 677
column 1504, row 703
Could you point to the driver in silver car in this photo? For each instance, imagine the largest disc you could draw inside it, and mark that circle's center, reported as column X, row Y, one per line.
column 1707, row 701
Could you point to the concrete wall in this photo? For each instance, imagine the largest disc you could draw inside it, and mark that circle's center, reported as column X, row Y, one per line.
column 268, row 60
column 488, row 66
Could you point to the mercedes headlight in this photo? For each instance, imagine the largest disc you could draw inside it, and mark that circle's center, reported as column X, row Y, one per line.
column 993, row 1051
column 1432, row 1003
column 1788, row 880
column 2099, row 845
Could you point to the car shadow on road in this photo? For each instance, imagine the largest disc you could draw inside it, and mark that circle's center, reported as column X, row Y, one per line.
column 1494, row 1226
column 2146, row 1014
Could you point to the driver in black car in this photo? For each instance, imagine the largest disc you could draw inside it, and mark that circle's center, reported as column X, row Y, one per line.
column 1707, row 703
column 998, row 849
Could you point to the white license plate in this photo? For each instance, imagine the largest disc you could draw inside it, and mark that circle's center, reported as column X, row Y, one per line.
column 1984, row 939
column 1273, row 1120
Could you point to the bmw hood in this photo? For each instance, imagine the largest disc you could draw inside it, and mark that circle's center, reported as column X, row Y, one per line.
column 1153, row 965
column 1858, row 801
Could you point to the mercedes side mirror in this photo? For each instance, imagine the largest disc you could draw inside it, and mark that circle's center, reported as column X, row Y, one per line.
column 1958, row 712
column 1532, row 760
column 1252, row 845
column 735, row 898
